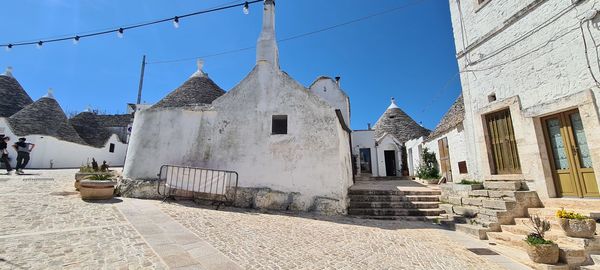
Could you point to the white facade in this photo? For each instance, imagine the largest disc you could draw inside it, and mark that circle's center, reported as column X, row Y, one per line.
column 414, row 148
column 51, row 152
column 456, row 149
column 311, row 161
column 365, row 139
column 529, row 57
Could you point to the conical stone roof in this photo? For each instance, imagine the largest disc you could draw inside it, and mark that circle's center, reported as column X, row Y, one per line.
column 44, row 117
column 87, row 126
column 197, row 90
column 13, row 97
column 397, row 123
column 454, row 116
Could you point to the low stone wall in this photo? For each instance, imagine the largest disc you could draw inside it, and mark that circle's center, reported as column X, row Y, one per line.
column 245, row 197
column 452, row 192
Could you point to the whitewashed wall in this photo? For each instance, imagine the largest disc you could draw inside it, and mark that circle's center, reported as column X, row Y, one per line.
column 456, row 147
column 235, row 134
column 535, row 65
column 365, row 139
column 414, row 146
column 50, row 152
column 329, row 90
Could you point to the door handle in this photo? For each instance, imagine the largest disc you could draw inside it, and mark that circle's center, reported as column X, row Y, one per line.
column 574, row 149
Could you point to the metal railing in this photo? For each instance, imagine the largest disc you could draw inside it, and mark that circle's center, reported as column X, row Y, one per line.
column 197, row 183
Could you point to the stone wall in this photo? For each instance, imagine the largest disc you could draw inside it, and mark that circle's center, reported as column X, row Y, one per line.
column 527, row 56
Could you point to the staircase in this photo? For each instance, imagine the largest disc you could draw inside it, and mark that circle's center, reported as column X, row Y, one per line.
column 575, row 252
column 486, row 210
column 417, row 205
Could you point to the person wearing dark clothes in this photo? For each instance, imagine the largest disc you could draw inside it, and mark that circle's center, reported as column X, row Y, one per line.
column 23, row 149
column 4, row 153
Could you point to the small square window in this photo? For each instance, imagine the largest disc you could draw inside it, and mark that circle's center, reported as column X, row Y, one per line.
column 111, row 148
column 279, row 124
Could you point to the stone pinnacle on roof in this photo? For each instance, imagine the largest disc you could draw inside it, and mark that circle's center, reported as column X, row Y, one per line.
column 266, row 48
column 50, row 94
column 13, row 97
column 397, row 123
column 8, row 72
column 200, row 72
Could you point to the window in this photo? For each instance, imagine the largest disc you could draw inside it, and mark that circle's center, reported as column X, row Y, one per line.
column 111, row 148
column 279, row 124
column 502, row 143
column 462, row 167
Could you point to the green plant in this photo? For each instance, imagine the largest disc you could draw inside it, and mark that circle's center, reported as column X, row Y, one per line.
column 99, row 177
column 539, row 227
column 469, row 182
column 562, row 213
column 428, row 167
column 86, row 169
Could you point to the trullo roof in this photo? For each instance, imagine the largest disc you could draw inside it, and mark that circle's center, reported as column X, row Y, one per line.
column 13, row 97
column 398, row 124
column 454, row 116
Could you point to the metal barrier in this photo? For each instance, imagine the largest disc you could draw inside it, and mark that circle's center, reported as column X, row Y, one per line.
column 197, row 183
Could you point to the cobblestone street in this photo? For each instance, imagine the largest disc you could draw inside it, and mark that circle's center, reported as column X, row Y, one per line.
column 45, row 225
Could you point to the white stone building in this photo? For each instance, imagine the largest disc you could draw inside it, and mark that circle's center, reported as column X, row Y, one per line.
column 529, row 73
column 447, row 141
column 381, row 152
column 59, row 142
column 289, row 144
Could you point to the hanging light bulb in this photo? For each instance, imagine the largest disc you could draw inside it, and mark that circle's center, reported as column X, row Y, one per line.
column 76, row 40
column 39, row 44
column 9, row 47
column 246, row 8
column 120, row 32
column 176, row 22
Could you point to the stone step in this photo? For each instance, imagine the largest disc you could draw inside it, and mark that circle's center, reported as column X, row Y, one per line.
column 476, row 231
column 555, row 234
column 410, row 205
column 394, row 212
column 392, row 192
column 569, row 254
column 499, row 204
column 434, row 219
column 394, row 198
column 503, row 185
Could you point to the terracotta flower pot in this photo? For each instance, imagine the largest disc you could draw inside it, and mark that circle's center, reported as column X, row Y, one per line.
column 97, row 189
column 544, row 253
column 584, row 228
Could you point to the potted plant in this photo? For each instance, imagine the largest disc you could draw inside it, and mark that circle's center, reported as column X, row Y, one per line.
column 575, row 224
column 97, row 187
column 87, row 170
column 427, row 170
column 539, row 249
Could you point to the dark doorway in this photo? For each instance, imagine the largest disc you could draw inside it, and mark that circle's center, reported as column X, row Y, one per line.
column 365, row 160
column 390, row 162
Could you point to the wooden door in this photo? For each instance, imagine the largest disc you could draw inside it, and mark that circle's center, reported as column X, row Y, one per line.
column 569, row 155
column 445, row 165
column 502, row 143
column 390, row 162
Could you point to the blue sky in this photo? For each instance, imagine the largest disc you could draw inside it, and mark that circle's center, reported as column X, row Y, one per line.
column 408, row 54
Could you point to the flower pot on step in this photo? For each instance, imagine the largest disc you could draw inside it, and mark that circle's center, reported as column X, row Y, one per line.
column 543, row 253
column 580, row 228
column 97, row 189
column 82, row 175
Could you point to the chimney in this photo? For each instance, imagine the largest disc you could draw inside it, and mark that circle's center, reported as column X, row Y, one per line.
column 369, row 126
column 266, row 49
column 337, row 80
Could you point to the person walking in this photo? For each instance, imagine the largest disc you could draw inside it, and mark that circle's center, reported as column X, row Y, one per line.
column 4, row 153
column 23, row 149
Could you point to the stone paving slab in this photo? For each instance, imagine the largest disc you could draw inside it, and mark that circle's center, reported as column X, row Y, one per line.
column 178, row 247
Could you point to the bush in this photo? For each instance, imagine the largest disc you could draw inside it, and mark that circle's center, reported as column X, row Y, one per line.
column 539, row 227
column 469, row 182
column 535, row 239
column 428, row 168
column 99, row 177
column 562, row 213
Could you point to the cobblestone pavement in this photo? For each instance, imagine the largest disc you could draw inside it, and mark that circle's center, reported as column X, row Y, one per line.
column 44, row 224
column 257, row 240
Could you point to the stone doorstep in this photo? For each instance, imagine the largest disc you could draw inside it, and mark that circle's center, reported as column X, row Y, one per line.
column 476, row 231
column 503, row 185
column 402, row 218
column 396, row 205
column 571, row 255
column 394, row 198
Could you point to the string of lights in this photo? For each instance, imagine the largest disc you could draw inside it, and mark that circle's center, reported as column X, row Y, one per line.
column 121, row 30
